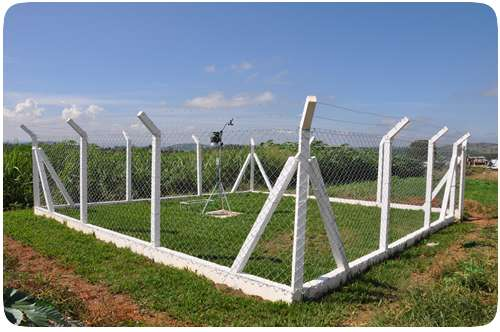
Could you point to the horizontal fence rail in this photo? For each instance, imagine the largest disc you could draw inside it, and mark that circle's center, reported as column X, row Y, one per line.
column 282, row 214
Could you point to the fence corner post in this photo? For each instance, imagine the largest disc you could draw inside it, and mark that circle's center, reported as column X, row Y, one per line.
column 428, row 182
column 302, row 185
column 199, row 166
column 252, row 164
column 83, row 168
column 385, row 199
column 128, row 167
column 35, row 177
column 463, row 164
column 155, row 176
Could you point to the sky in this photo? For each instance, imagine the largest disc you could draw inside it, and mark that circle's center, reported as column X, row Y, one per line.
column 194, row 66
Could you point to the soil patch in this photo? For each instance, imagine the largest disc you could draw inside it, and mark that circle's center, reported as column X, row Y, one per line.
column 103, row 307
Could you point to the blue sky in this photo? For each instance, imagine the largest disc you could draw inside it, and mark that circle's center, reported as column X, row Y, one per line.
column 194, row 66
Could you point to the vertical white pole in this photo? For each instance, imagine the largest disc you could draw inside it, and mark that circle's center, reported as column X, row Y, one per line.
column 453, row 188
column 385, row 195
column 450, row 176
column 311, row 139
column 379, row 170
column 385, row 199
column 83, row 169
column 36, row 178
column 299, row 238
column 252, row 164
column 428, row 182
column 463, row 164
column 155, row 177
column 128, row 168
column 199, row 164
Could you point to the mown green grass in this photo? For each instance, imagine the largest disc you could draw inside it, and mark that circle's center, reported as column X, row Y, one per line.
column 186, row 230
column 464, row 295
column 191, row 298
column 485, row 192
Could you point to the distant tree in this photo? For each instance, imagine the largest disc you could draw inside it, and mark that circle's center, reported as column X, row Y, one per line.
column 418, row 150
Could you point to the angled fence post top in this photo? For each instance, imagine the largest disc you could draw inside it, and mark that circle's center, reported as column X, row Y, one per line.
column 461, row 140
column 125, row 135
column 33, row 136
column 397, row 128
column 146, row 121
column 82, row 133
column 308, row 113
column 438, row 135
column 195, row 139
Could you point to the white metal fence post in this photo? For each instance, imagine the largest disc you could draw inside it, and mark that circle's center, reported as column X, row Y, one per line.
column 199, row 166
column 36, row 178
column 128, row 167
column 301, row 197
column 252, row 164
column 311, row 139
column 446, row 203
column 83, row 168
column 386, row 183
column 428, row 182
column 463, row 165
column 380, row 169
column 155, row 176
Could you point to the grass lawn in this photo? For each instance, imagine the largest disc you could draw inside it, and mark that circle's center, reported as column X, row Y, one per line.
column 191, row 298
column 186, row 230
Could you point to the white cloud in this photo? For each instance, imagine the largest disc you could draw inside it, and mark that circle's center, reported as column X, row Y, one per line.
column 210, row 69
column 280, row 78
column 218, row 100
column 493, row 92
column 27, row 109
column 245, row 65
column 93, row 110
column 72, row 112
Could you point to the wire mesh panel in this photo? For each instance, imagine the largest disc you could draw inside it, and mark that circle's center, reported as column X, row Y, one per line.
column 235, row 215
column 349, row 164
column 62, row 154
column 214, row 225
column 408, row 182
column 442, row 156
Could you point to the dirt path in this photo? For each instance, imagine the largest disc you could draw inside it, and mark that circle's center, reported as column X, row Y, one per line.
column 449, row 257
column 103, row 307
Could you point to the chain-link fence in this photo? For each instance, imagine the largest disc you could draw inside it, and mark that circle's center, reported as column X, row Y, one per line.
column 214, row 195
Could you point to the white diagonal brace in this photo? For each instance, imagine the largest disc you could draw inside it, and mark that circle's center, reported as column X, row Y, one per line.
column 55, row 177
column 440, row 185
column 450, row 175
column 45, row 183
column 336, row 245
column 263, row 172
column 265, row 214
column 242, row 173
